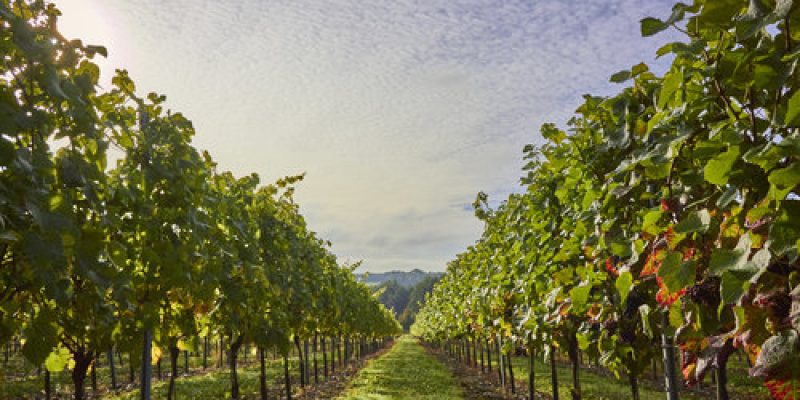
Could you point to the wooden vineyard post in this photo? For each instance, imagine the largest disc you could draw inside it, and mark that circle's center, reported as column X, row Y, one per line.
column 316, row 370
column 262, row 379
column 286, row 378
column 488, row 356
column 47, row 386
column 553, row 372
column 511, row 372
column 205, row 352
column 501, row 367
column 147, row 367
column 669, row 359
column 147, row 347
column 531, row 373
column 112, row 369
column 324, row 358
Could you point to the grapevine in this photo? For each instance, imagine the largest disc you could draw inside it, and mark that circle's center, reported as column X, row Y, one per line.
column 157, row 253
column 666, row 212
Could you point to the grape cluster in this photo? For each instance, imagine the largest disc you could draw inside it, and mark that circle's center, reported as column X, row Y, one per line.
column 783, row 268
column 627, row 335
column 706, row 292
column 778, row 304
column 635, row 299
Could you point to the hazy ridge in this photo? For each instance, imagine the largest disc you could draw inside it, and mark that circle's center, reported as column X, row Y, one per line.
column 405, row 279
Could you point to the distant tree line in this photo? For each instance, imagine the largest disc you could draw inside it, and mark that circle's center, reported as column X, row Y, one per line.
column 405, row 302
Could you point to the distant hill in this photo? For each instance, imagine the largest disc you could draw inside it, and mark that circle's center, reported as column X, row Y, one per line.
column 404, row 301
column 405, row 279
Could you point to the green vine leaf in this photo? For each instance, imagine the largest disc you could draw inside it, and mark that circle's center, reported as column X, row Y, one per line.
column 792, row 117
column 623, row 284
column 786, row 178
column 697, row 221
column 677, row 274
column 718, row 169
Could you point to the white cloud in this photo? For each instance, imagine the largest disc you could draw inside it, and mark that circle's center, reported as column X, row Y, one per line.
column 399, row 111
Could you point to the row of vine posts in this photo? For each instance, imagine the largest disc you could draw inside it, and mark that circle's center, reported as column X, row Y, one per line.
column 662, row 224
column 160, row 251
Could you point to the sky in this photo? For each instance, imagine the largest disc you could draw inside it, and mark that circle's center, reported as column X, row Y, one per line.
column 398, row 111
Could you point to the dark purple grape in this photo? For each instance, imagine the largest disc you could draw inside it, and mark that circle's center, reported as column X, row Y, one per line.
column 706, row 292
column 627, row 336
column 635, row 299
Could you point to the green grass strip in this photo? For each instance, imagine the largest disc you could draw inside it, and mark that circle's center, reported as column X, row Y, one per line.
column 407, row 371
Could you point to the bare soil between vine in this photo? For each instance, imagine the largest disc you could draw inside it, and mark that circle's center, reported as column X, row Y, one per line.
column 478, row 385
column 337, row 382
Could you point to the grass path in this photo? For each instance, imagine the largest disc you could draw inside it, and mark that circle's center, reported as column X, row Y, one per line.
column 407, row 371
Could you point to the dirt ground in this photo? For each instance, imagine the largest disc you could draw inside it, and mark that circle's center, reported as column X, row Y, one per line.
column 336, row 383
column 479, row 385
